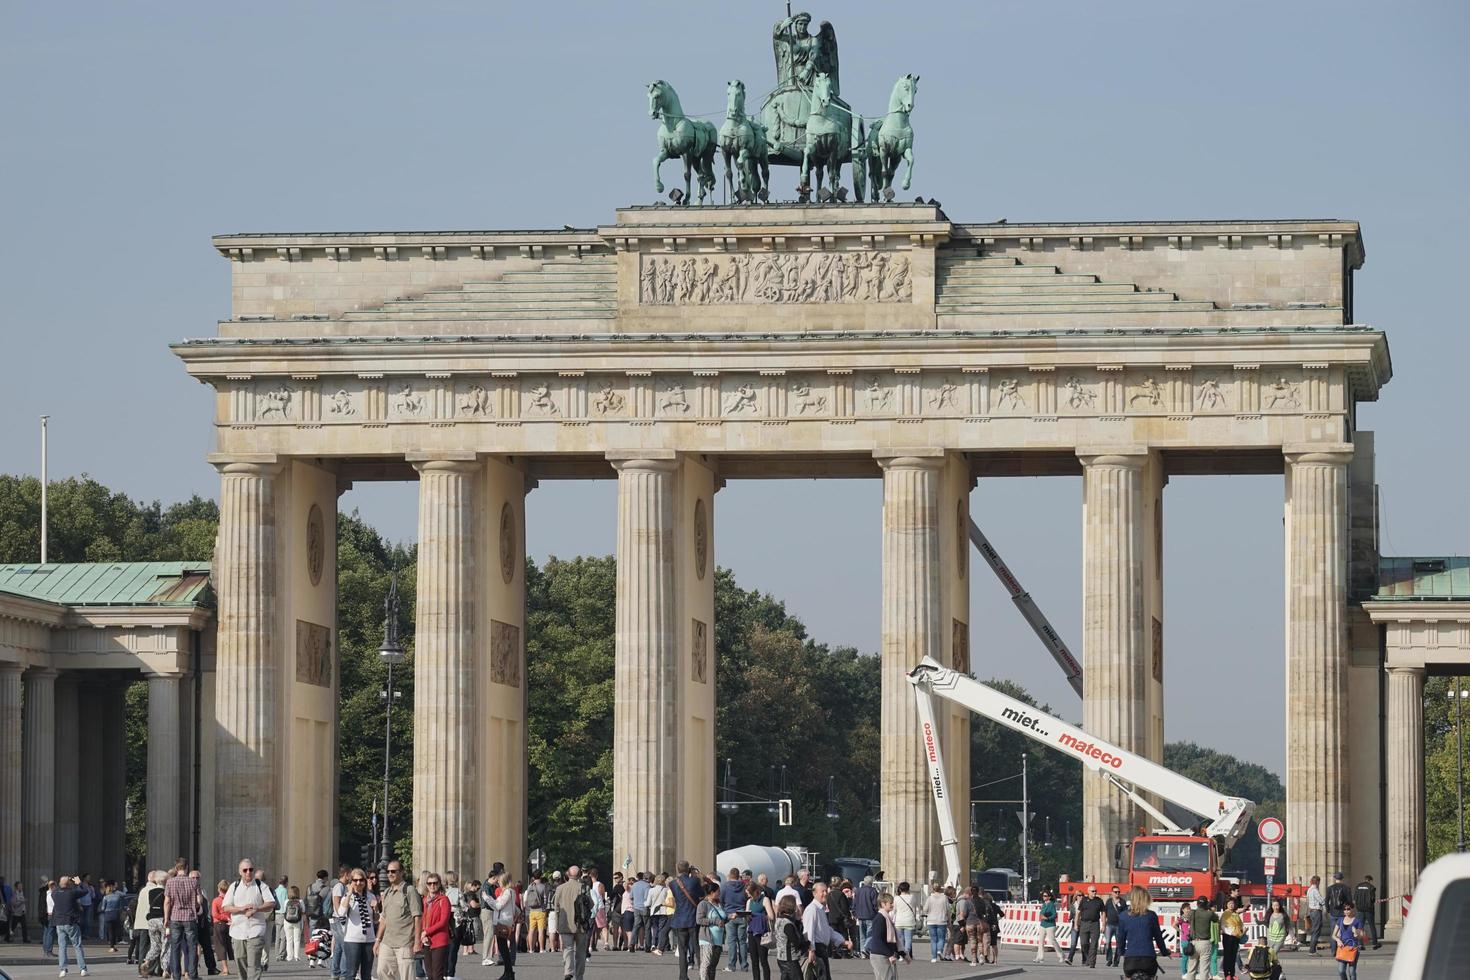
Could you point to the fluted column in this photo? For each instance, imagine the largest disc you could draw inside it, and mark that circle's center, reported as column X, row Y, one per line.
column 645, row 682
column 10, row 769
column 248, row 685
column 163, row 771
column 445, row 722
column 38, row 763
column 911, row 630
column 68, row 786
column 1114, row 641
column 1405, row 772
column 1316, row 662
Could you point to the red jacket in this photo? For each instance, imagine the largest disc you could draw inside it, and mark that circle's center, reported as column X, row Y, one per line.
column 437, row 919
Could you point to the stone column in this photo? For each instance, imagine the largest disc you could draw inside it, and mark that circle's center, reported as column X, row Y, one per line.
column 445, row 715
column 248, row 686
column 912, row 630
column 164, row 761
column 1405, row 764
column 645, row 682
column 10, row 769
column 68, row 786
column 1316, row 661
column 38, row 799
column 1114, row 641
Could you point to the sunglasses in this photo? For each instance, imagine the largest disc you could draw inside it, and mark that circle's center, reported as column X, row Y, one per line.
column 395, row 871
column 246, row 870
column 355, row 881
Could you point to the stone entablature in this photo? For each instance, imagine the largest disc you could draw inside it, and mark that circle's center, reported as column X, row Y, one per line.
column 42, row 635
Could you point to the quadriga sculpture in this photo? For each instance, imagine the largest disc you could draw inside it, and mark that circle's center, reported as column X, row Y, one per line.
column 744, row 148
column 826, row 141
column 679, row 136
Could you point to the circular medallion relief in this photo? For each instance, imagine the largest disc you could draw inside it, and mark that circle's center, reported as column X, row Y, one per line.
column 507, row 543
column 316, row 544
column 961, row 538
column 701, row 538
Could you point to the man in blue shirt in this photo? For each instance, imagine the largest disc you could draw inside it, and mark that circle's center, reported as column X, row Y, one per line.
column 864, row 909
column 642, row 937
column 687, row 889
column 732, row 897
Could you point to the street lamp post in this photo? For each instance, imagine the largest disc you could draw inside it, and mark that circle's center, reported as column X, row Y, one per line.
column 391, row 653
column 1458, row 695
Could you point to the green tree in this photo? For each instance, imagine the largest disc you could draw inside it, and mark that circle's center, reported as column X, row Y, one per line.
column 89, row 522
column 1224, row 772
column 1441, row 769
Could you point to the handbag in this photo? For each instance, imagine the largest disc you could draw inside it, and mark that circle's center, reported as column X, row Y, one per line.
column 1187, row 949
column 1346, row 954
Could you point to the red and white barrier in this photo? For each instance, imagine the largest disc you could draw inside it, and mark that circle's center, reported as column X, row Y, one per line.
column 1022, row 925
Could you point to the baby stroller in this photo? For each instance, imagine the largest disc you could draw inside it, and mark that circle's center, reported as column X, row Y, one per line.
column 1261, row 963
column 319, row 946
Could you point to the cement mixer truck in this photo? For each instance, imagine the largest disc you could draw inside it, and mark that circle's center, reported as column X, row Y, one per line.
column 776, row 863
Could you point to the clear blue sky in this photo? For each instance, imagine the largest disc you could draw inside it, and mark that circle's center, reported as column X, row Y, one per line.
column 131, row 132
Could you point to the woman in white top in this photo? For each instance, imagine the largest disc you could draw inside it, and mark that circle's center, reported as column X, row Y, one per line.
column 507, row 911
column 905, row 919
column 355, row 909
column 936, row 913
column 658, row 914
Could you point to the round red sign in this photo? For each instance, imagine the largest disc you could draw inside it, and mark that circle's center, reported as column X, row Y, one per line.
column 1270, row 830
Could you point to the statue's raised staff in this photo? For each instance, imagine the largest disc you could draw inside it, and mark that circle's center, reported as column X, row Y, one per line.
column 892, row 139
column 743, row 145
column 679, row 136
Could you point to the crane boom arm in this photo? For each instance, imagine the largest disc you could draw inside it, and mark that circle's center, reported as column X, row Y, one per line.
column 1228, row 815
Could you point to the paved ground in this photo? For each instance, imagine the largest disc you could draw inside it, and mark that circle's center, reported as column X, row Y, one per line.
column 25, row 963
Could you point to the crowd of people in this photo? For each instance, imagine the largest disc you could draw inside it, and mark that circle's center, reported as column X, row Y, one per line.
column 362, row 928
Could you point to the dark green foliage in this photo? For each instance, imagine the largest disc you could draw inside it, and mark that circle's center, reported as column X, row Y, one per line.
column 88, row 522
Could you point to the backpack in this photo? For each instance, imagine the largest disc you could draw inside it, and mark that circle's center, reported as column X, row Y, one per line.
column 293, row 910
column 314, row 902
column 582, row 909
column 1258, row 964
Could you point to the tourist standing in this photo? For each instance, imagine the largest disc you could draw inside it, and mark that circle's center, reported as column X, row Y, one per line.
column 865, row 909
column 360, row 932
column 936, row 914
column 1347, row 941
column 732, row 900
column 573, row 923
column 686, row 888
column 1112, row 909
column 1085, row 926
column 819, row 932
column 249, row 904
column 1365, row 901
column 339, row 924
column 507, row 913
column 1277, row 925
column 553, row 935
column 641, row 937
column 1203, row 921
column 1232, row 928
column 881, row 940
column 791, row 945
column 1048, row 923
column 110, row 911
column 760, row 917
column 438, row 924
column 1314, row 912
column 905, row 920
column 18, row 909
column 1140, row 940
column 710, row 917
column 399, row 933
column 278, row 921
column 181, row 905
column 659, row 900
column 148, row 924
column 66, row 918
column 789, row 889
column 219, row 923
column 535, row 904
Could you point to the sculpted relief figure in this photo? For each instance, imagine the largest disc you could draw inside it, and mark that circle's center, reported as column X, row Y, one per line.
column 785, row 277
column 805, row 401
column 409, row 401
column 880, row 398
column 944, row 397
column 1210, row 395
column 1282, row 393
column 476, row 401
column 741, row 399
column 341, row 403
column 541, row 402
column 608, row 400
column 275, row 402
column 674, row 399
column 1078, row 394
column 1010, row 396
column 1148, row 391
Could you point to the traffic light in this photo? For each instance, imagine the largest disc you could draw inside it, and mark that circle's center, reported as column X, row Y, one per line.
column 784, row 814
column 365, row 856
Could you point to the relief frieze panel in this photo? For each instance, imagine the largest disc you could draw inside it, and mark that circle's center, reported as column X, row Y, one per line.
column 775, row 278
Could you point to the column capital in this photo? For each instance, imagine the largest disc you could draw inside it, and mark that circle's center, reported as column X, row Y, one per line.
column 1409, row 670
column 656, row 460
column 443, row 462
column 42, row 674
column 1321, row 454
column 249, row 464
column 1130, row 457
column 910, row 458
column 9, row 665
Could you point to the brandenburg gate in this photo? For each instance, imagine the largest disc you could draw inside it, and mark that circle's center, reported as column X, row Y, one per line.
column 677, row 348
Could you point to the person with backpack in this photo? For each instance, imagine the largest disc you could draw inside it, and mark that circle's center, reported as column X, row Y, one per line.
column 295, row 924
column 882, row 939
column 791, row 945
column 760, row 914
column 1347, row 941
column 317, row 901
column 573, row 923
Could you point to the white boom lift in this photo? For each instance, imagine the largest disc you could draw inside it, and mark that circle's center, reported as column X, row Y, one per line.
column 1029, row 609
column 1229, row 816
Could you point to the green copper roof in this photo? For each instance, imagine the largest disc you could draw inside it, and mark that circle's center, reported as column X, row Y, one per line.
column 1424, row 578
column 108, row 583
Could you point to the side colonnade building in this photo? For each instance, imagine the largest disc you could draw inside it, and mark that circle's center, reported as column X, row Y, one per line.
column 679, row 348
